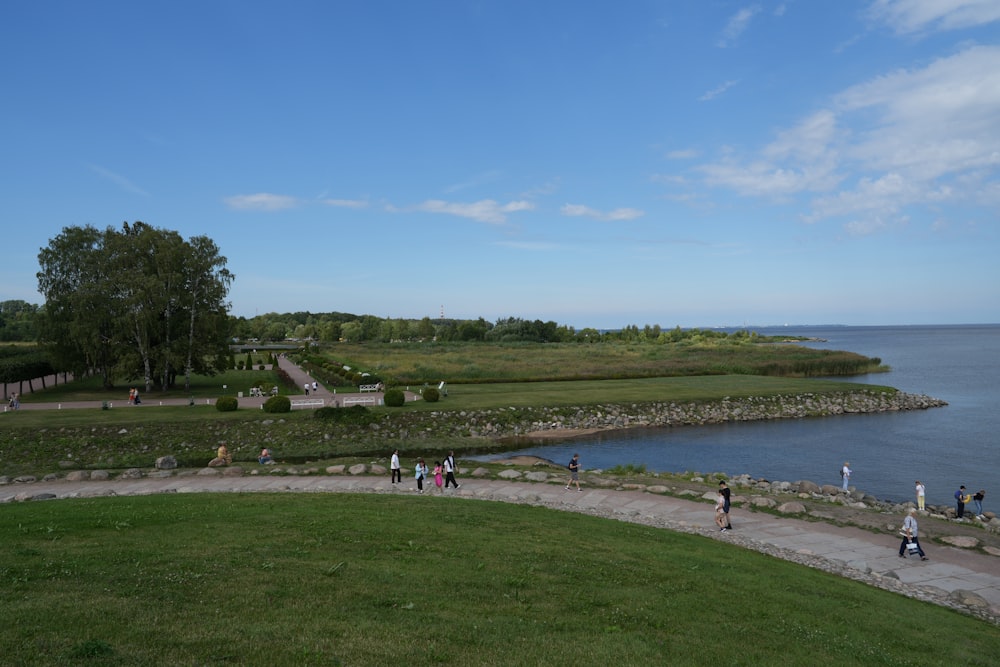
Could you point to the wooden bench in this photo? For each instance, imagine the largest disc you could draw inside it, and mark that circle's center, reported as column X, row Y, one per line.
column 368, row 387
column 308, row 403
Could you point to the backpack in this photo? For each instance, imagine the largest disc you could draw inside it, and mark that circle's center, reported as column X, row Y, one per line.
column 841, row 471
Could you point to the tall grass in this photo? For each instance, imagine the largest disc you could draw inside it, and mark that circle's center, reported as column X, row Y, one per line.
column 375, row 580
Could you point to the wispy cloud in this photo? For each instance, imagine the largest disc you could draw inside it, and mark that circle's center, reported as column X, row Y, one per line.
column 261, row 201
column 718, row 90
column 920, row 136
column 118, row 180
column 737, row 24
column 475, row 181
column 346, row 203
column 911, row 16
column 618, row 214
column 485, row 210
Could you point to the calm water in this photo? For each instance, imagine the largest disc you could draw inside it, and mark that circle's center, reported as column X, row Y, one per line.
column 943, row 447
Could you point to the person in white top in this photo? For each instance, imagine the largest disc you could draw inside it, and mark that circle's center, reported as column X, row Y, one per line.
column 397, row 475
column 921, row 493
column 845, row 473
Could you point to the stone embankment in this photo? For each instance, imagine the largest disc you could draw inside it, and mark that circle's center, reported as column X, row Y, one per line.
column 514, row 422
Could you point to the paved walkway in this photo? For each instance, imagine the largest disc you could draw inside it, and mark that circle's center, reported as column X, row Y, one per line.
column 852, row 552
column 298, row 376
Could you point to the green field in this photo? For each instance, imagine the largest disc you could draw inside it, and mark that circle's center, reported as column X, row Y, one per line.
column 319, row 579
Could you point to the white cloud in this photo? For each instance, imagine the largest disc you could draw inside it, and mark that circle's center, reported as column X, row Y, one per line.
column 910, row 16
column 578, row 210
column 682, row 154
column 737, row 24
column 919, row 136
column 261, row 201
column 346, row 203
column 485, row 210
column 718, row 90
column 118, row 180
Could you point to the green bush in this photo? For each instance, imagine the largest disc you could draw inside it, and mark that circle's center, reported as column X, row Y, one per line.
column 278, row 404
column 226, row 404
column 395, row 398
column 431, row 395
column 356, row 414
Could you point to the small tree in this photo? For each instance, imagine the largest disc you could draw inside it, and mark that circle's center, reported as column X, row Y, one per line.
column 226, row 404
column 431, row 394
column 278, row 404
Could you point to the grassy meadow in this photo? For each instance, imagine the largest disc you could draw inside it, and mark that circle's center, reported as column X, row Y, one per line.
column 317, row 579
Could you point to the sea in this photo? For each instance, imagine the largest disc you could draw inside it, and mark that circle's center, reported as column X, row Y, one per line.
column 888, row 452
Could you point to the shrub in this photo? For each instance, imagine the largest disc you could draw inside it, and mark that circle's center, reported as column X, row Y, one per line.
column 395, row 398
column 431, row 394
column 226, row 404
column 356, row 414
column 278, row 404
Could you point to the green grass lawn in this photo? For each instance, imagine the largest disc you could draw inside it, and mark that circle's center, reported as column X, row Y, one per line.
column 304, row 579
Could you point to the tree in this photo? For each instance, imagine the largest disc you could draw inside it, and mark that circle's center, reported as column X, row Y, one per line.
column 140, row 302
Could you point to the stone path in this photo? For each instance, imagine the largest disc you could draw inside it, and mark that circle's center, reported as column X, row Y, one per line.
column 954, row 577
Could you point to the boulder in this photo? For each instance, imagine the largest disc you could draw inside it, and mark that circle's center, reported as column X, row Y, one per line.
column 805, row 486
column 536, row 476
column 25, row 479
column 100, row 475
column 829, row 490
column 77, row 476
column 166, row 463
column 480, row 472
column 132, row 473
column 762, row 501
column 657, row 488
column 377, row 469
column 357, row 469
column 232, row 471
column 791, row 508
column 335, row 470
column 509, row 474
column 969, row 599
column 208, row 472
column 961, row 541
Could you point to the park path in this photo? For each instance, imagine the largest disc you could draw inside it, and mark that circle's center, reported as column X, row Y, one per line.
column 852, row 552
column 298, row 376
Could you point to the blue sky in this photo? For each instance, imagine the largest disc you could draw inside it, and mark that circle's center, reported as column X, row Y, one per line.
column 692, row 163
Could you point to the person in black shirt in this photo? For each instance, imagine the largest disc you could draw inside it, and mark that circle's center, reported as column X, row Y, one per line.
column 724, row 490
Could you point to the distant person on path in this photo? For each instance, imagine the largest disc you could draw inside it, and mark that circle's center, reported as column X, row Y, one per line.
column 978, row 499
column 921, row 495
column 306, row 387
column 315, row 387
column 574, row 472
column 222, row 457
column 437, row 475
column 845, row 474
column 449, row 470
column 910, row 535
column 960, row 499
column 397, row 474
column 720, row 511
column 726, row 493
column 419, row 474
column 265, row 457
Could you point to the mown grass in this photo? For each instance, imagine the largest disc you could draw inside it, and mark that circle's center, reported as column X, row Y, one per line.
column 202, row 386
column 264, row 579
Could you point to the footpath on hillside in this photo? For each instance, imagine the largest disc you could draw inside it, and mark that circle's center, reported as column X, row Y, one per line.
column 960, row 578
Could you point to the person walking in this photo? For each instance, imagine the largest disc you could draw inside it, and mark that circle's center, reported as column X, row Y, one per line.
column 449, row 470
column 420, row 474
column 978, row 499
column 960, row 499
column 921, row 495
column 726, row 493
column 845, row 474
column 910, row 536
column 394, row 469
column 437, row 475
column 720, row 511
column 574, row 472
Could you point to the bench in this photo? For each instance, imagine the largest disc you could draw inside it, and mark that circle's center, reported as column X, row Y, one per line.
column 308, row 403
column 368, row 387
column 360, row 400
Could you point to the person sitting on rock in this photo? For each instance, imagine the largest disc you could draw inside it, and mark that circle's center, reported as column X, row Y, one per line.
column 222, row 457
column 265, row 457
